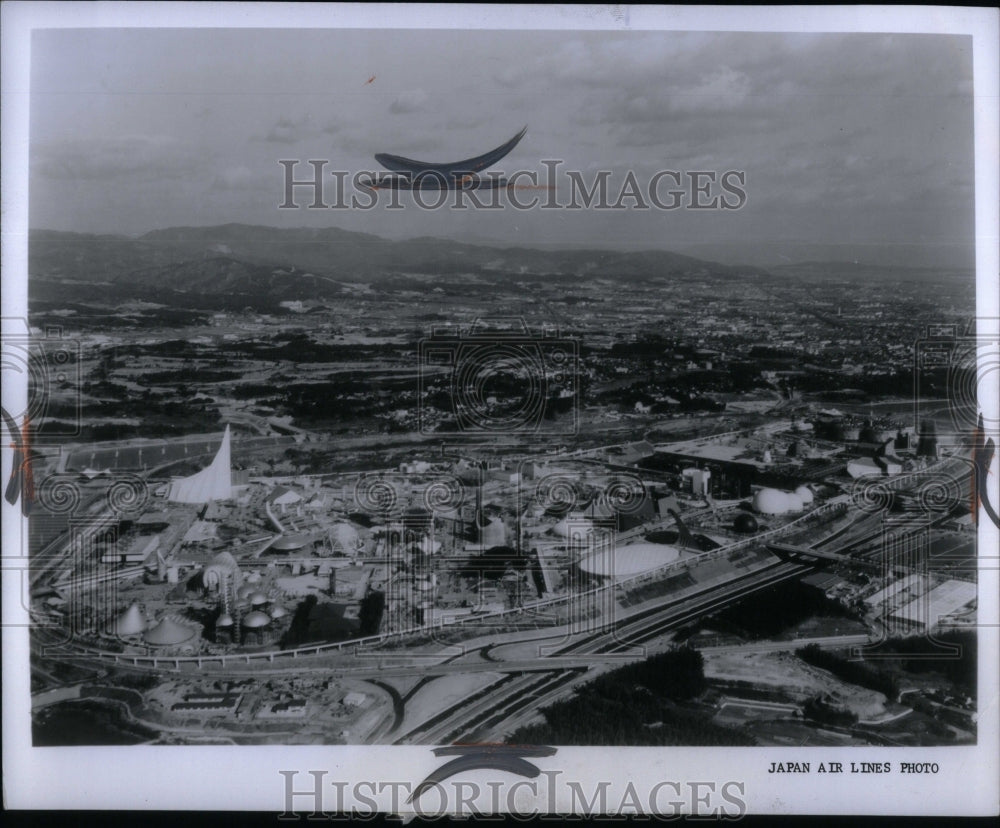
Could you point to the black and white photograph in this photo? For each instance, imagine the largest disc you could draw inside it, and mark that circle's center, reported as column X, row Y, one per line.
column 493, row 388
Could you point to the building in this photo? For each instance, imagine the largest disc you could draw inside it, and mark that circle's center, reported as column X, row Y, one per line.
column 868, row 467
column 927, row 611
column 613, row 562
column 493, row 534
column 344, row 539
column 256, row 627
column 696, row 481
column 129, row 623
column 168, row 633
column 136, row 554
column 776, row 502
column 209, row 704
column 901, row 590
column 211, row 483
column 825, row 583
column 291, row 709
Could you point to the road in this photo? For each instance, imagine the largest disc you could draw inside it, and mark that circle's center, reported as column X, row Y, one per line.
column 493, row 711
column 525, row 685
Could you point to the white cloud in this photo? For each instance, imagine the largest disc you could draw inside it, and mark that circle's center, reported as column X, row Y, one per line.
column 236, row 178
column 412, row 100
column 134, row 156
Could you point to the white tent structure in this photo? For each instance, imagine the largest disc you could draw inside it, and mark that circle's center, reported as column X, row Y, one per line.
column 212, row 483
column 168, row 633
column 130, row 622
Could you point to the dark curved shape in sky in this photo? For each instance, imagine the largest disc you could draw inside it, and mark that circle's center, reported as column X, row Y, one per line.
column 431, row 180
column 399, row 164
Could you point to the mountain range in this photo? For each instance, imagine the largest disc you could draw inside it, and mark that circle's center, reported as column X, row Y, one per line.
column 300, row 263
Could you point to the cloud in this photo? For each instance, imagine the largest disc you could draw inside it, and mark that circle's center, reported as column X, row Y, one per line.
column 410, row 101
column 141, row 157
column 287, row 131
column 722, row 90
column 236, row 178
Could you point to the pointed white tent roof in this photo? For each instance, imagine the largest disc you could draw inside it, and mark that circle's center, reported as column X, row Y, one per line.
column 130, row 622
column 168, row 632
column 212, row 483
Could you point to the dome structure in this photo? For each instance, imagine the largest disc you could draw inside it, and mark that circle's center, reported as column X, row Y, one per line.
column 345, row 539
column 776, row 502
column 278, row 612
column 258, row 599
column 130, row 622
column 224, row 559
column 804, row 493
column 746, row 523
column 288, row 543
column 255, row 620
column 168, row 633
column 221, row 569
column 624, row 561
column 224, row 620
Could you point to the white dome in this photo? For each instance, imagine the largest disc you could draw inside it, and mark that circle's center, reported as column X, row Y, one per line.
column 804, row 493
column 221, row 568
column 255, row 620
column 624, row 561
column 344, row 538
column 279, row 612
column 224, row 620
column 776, row 502
column 258, row 599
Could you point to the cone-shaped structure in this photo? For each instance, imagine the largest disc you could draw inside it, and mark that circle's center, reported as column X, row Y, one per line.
column 168, row 633
column 212, row 483
column 130, row 622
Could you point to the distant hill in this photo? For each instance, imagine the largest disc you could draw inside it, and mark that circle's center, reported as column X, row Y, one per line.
column 302, row 263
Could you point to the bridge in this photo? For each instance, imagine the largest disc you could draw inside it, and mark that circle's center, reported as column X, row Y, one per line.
column 804, row 554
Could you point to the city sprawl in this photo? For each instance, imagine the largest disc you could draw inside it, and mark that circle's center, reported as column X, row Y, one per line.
column 317, row 487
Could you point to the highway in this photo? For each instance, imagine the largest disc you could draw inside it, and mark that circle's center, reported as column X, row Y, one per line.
column 523, row 686
column 487, row 715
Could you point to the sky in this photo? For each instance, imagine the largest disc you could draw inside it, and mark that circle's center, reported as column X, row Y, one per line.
column 843, row 138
